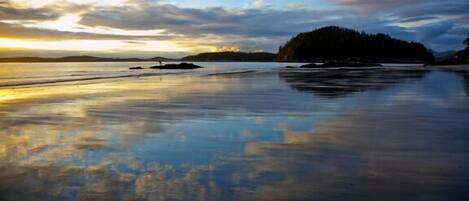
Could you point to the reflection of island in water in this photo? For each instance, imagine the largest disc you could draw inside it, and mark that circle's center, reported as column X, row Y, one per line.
column 463, row 73
column 342, row 82
column 466, row 82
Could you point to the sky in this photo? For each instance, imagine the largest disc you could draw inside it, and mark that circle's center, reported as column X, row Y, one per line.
column 176, row 28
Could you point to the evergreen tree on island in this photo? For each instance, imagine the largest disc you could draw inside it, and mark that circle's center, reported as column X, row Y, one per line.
column 462, row 56
column 466, row 42
column 337, row 43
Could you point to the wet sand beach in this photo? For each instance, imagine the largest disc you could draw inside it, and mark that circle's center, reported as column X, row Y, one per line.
column 233, row 131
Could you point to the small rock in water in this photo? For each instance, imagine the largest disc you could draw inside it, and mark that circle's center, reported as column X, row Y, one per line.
column 136, row 68
column 312, row 65
column 181, row 66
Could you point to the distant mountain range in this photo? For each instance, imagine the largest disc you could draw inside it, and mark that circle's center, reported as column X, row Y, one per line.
column 232, row 56
column 454, row 57
column 440, row 56
column 79, row 59
column 215, row 56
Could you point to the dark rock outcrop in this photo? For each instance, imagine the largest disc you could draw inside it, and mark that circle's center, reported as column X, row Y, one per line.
column 181, row 66
column 136, row 68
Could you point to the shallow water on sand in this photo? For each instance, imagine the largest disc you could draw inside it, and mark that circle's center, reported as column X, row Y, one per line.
column 232, row 131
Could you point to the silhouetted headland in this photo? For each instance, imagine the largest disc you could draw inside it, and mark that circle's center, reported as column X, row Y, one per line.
column 460, row 57
column 181, row 66
column 232, row 56
column 334, row 43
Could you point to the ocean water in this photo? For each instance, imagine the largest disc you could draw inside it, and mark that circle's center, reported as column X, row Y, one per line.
column 233, row 131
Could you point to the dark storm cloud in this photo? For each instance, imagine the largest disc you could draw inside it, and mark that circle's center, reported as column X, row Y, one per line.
column 10, row 12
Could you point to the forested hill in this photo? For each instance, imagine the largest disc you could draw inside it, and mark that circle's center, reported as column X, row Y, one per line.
column 336, row 43
column 232, row 56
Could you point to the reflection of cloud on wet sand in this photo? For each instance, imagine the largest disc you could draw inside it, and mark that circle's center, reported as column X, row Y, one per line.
column 66, row 118
column 50, row 134
column 154, row 185
column 114, row 178
column 366, row 155
column 88, row 145
column 45, row 144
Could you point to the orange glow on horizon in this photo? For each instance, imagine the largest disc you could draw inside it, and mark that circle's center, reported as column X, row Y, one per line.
column 91, row 45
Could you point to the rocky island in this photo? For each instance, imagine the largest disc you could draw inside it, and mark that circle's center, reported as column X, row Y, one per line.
column 334, row 43
column 181, row 66
column 136, row 68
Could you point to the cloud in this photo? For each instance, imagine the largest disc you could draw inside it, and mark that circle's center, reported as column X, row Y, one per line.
column 247, row 22
column 250, row 29
column 9, row 11
column 418, row 19
column 13, row 31
column 261, row 27
column 371, row 5
column 243, row 26
column 434, row 30
column 426, row 21
column 69, row 7
column 455, row 8
column 259, row 3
